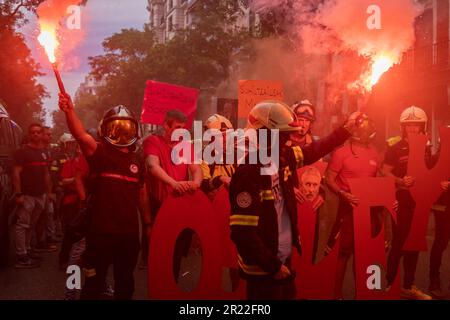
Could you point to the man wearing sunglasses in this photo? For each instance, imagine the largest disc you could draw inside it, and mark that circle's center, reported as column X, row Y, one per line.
column 118, row 192
column 31, row 179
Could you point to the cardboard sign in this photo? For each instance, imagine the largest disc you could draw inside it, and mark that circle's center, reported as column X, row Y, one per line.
column 427, row 186
column 161, row 97
column 177, row 214
column 370, row 252
column 313, row 281
column 253, row 91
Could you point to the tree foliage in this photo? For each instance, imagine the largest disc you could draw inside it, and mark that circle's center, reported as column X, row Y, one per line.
column 19, row 88
column 197, row 57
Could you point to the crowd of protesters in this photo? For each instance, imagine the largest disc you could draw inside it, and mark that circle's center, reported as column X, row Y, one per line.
column 98, row 194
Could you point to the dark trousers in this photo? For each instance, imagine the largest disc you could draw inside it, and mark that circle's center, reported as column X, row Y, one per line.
column 343, row 227
column 271, row 289
column 103, row 250
column 71, row 234
column 400, row 230
column 440, row 243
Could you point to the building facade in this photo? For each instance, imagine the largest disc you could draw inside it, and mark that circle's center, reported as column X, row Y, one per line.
column 422, row 78
column 167, row 17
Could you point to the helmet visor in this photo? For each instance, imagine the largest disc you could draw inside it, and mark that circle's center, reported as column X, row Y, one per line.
column 121, row 132
column 366, row 130
column 305, row 112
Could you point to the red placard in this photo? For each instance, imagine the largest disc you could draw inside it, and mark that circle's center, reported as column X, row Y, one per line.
column 176, row 214
column 371, row 251
column 426, row 189
column 313, row 281
column 161, row 97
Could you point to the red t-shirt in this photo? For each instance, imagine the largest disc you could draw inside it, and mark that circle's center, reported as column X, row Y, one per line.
column 68, row 172
column 359, row 163
column 82, row 166
column 70, row 167
column 157, row 146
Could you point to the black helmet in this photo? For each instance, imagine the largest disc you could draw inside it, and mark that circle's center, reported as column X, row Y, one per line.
column 365, row 128
column 119, row 127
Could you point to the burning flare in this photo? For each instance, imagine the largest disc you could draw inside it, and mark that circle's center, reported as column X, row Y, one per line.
column 48, row 40
column 378, row 66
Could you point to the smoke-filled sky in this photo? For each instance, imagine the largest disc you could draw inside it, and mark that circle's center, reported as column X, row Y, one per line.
column 99, row 19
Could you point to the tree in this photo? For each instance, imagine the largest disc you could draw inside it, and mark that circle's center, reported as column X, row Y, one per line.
column 198, row 57
column 18, row 85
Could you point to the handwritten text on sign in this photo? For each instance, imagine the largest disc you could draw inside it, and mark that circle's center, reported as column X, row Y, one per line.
column 252, row 92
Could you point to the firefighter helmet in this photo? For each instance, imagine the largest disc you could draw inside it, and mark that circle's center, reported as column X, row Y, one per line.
column 65, row 138
column 216, row 121
column 414, row 114
column 304, row 109
column 119, row 128
column 272, row 115
column 365, row 128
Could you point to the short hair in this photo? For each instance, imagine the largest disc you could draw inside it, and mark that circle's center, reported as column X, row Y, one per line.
column 311, row 171
column 35, row 124
column 175, row 115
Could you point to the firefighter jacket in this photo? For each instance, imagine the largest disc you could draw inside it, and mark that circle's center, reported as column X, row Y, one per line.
column 253, row 217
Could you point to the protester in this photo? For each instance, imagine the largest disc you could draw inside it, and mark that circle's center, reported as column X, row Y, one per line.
column 441, row 212
column 306, row 115
column 309, row 185
column 31, row 180
column 263, row 207
column 167, row 177
column 216, row 175
column 413, row 120
column 69, row 207
column 45, row 236
column 119, row 192
column 356, row 159
column 309, row 191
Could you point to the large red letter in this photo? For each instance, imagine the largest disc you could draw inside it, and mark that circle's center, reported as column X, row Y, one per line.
column 313, row 281
column 370, row 251
column 426, row 189
column 176, row 214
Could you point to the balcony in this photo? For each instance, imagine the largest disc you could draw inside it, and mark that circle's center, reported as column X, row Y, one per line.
column 434, row 57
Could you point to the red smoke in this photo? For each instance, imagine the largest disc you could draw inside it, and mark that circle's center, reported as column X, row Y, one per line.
column 338, row 27
column 52, row 18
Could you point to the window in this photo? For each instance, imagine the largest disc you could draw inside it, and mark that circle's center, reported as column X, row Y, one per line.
column 170, row 24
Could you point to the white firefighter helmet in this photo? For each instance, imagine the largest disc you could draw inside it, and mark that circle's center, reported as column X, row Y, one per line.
column 66, row 137
column 414, row 114
column 304, row 109
column 272, row 115
column 216, row 121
